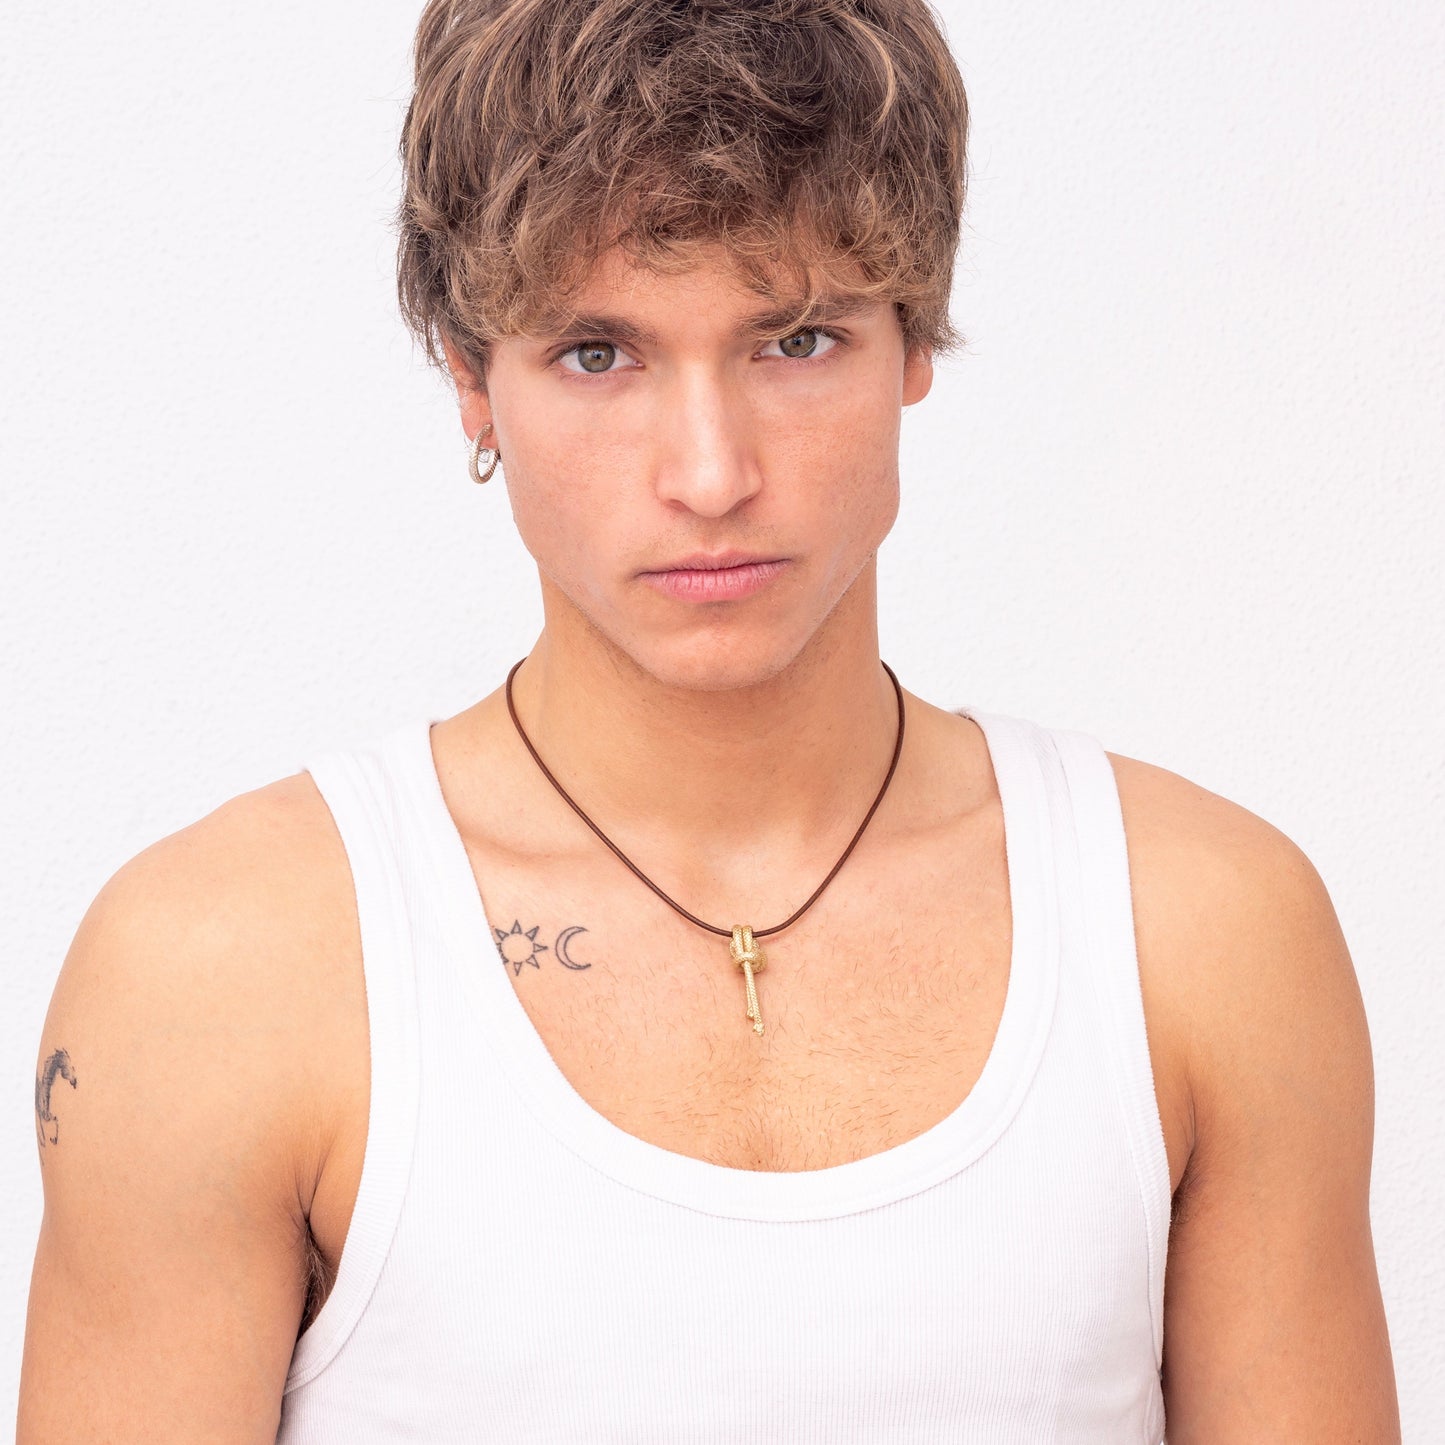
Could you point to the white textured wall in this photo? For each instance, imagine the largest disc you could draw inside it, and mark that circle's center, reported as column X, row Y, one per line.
column 1183, row 491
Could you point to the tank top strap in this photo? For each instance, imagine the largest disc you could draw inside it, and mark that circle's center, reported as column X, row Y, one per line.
column 1106, row 900
column 359, row 788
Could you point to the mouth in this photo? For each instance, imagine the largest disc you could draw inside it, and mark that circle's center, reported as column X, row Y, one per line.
column 721, row 577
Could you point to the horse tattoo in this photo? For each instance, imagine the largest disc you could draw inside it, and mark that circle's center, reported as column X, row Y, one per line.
column 58, row 1063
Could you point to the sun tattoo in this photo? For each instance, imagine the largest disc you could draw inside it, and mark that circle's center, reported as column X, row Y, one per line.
column 519, row 946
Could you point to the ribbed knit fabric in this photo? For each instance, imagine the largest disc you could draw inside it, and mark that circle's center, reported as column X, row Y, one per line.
column 520, row 1269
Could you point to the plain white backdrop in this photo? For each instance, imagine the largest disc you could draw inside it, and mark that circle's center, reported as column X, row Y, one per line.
column 1182, row 490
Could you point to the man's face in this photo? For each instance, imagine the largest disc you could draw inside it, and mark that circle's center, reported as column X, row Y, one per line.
column 666, row 427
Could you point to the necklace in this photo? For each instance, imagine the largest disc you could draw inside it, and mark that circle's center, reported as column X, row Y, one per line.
column 742, row 938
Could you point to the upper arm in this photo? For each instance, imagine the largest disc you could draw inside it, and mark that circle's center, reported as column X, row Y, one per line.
column 174, row 1131
column 1274, row 1326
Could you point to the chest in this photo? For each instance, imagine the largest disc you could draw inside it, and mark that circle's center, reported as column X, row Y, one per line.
column 878, row 1009
column 880, row 1006
column 1000, row 1299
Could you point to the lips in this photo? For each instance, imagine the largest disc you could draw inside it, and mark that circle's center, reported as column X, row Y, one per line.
column 713, row 562
column 720, row 577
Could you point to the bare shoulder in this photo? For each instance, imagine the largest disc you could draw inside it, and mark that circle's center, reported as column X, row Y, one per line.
column 1273, row 1320
column 204, row 1047
column 1237, row 932
column 231, row 938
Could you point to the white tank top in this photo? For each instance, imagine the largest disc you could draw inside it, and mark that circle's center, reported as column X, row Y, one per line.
column 520, row 1269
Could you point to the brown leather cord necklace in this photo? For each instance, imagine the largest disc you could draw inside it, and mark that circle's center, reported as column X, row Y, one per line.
column 742, row 939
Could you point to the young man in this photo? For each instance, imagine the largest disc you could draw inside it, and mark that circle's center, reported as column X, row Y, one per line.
column 879, row 1092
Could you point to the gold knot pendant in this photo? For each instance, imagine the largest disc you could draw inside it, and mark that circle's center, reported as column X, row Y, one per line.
column 749, row 957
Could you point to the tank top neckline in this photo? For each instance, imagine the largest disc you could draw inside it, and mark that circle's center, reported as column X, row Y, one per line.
column 915, row 1164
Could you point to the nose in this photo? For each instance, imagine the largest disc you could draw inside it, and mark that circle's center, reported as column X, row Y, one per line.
column 707, row 458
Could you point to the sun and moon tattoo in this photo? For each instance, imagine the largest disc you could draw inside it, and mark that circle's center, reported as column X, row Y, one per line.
column 519, row 947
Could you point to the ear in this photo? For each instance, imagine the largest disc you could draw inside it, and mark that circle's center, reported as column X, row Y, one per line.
column 917, row 374
column 476, row 409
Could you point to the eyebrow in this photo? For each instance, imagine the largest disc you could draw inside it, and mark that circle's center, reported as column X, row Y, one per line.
column 761, row 325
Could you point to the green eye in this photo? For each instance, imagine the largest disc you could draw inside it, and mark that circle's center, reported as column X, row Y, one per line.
column 800, row 343
column 596, row 355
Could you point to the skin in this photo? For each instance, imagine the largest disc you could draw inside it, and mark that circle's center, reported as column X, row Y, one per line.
column 201, row 1155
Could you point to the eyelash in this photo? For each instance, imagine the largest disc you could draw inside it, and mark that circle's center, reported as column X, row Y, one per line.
column 836, row 336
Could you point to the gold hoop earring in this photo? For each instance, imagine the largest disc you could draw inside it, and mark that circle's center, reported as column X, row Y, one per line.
column 493, row 456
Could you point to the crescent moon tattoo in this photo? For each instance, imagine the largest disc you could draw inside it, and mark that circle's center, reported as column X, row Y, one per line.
column 560, row 948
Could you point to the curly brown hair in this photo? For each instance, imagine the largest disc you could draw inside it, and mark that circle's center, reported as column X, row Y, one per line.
column 816, row 140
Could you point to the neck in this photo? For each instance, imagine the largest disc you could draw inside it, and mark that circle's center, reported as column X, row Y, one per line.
column 773, row 772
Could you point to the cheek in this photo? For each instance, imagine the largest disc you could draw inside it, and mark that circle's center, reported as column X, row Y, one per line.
column 565, row 524
column 870, row 512
column 873, row 469
column 844, row 446
column 854, row 496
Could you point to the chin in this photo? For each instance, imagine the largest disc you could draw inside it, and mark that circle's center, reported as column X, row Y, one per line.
column 725, row 660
